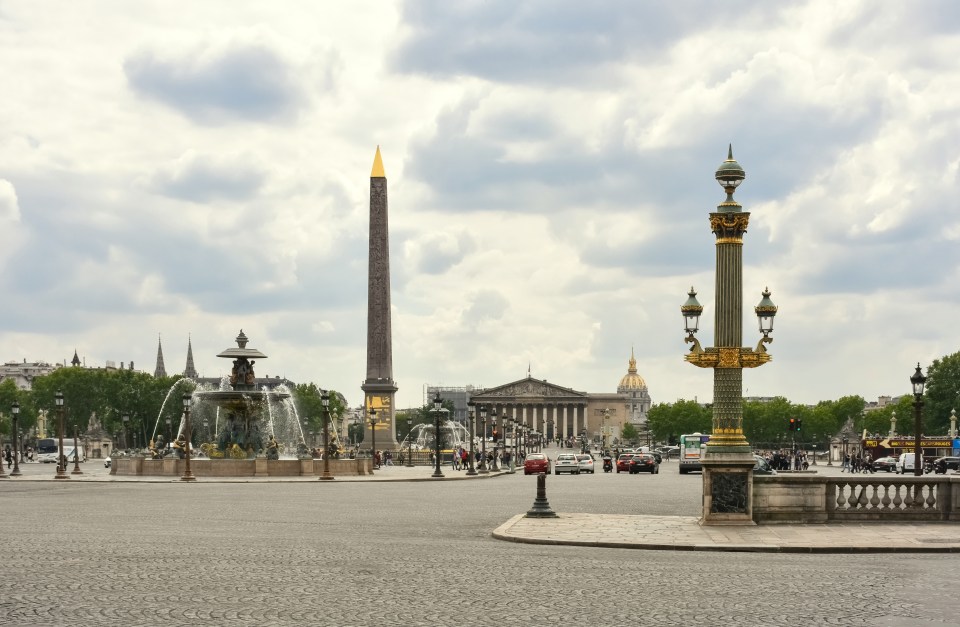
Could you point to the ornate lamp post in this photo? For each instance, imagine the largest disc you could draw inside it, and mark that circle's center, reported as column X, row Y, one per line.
column 15, row 410
column 206, row 428
column 473, row 436
column 513, row 437
column 409, row 463
column 437, row 407
column 483, row 442
column 373, row 437
column 126, row 424
column 918, row 381
column 187, row 437
column 76, row 452
column 728, row 463
column 3, row 474
column 325, row 401
column 61, row 460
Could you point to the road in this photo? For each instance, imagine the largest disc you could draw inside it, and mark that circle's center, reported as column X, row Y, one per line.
column 414, row 553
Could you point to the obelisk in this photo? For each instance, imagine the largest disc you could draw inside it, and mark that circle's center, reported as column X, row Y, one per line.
column 379, row 387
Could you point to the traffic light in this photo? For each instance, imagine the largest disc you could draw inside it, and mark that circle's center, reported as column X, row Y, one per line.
column 496, row 436
column 792, row 425
column 799, row 423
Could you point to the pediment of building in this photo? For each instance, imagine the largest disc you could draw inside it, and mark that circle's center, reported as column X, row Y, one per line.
column 528, row 388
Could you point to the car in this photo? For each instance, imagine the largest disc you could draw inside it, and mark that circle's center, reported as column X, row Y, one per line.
column 644, row 462
column 586, row 462
column 668, row 451
column 566, row 462
column 536, row 463
column 888, row 464
column 762, row 467
column 953, row 463
column 107, row 462
column 905, row 463
column 623, row 462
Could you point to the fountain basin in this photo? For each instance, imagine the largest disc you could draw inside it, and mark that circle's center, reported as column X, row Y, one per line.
column 259, row 467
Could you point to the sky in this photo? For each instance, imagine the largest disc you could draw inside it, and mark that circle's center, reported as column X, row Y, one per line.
column 187, row 169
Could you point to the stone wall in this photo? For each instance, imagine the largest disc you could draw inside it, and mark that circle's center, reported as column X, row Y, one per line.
column 260, row 467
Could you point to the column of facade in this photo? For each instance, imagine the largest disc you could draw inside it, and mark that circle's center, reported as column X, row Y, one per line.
column 563, row 433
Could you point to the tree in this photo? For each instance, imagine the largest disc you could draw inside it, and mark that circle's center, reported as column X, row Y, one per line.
column 629, row 433
column 668, row 422
column 942, row 393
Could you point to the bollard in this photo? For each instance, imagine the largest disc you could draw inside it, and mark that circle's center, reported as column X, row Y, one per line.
column 541, row 508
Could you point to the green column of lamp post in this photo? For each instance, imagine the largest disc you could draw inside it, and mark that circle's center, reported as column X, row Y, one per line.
column 471, row 470
column 373, row 439
column 15, row 410
column 76, row 451
column 325, row 402
column 187, row 438
column 728, row 462
column 61, row 461
column 483, row 441
column 917, row 381
column 437, row 407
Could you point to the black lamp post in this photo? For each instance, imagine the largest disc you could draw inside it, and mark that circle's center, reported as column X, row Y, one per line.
column 373, row 437
column 206, row 429
column 495, row 422
column 126, row 437
column 437, row 407
column 409, row 463
column 325, row 401
column 513, row 452
column 61, row 460
column 169, row 436
column 76, row 452
column 918, row 381
column 473, row 436
column 187, row 473
column 15, row 410
column 483, row 442
column 3, row 474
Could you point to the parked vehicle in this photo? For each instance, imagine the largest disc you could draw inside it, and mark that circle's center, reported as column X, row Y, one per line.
column 623, row 462
column 566, row 462
column 952, row 463
column 607, row 463
column 888, row 464
column 644, row 463
column 905, row 464
column 585, row 461
column 691, row 451
column 762, row 467
column 536, row 463
column 48, row 450
column 107, row 462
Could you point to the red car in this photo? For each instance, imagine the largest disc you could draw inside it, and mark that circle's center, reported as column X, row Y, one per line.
column 623, row 462
column 535, row 463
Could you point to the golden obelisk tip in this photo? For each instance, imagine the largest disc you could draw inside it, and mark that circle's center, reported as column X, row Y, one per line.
column 377, row 172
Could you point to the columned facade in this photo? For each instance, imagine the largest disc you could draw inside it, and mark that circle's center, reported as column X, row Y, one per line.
column 550, row 410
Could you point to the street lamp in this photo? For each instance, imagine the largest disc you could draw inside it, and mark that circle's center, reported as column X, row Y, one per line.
column 373, row 438
column 729, row 457
column 76, row 451
column 187, row 437
column 206, row 428
column 126, row 424
column 15, row 410
column 918, row 381
column 483, row 442
column 169, row 435
column 325, row 402
column 513, row 436
column 61, row 460
column 473, row 436
column 437, row 408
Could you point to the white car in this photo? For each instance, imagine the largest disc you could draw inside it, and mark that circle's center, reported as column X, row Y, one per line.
column 566, row 462
column 585, row 461
column 106, row 462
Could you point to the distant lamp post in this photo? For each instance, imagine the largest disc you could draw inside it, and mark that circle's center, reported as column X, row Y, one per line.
column 15, row 410
column 187, row 437
column 206, row 428
column 473, row 436
column 169, row 435
column 437, row 410
column 126, row 437
column 513, row 453
column 483, row 441
column 3, row 474
column 729, row 456
column 918, row 381
column 61, row 459
column 325, row 402
column 373, row 438
column 76, row 451
column 409, row 463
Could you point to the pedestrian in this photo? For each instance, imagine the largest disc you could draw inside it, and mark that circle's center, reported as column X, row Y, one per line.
column 8, row 456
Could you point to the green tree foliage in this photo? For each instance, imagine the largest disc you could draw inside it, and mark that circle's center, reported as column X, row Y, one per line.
column 8, row 394
column 942, row 393
column 669, row 421
column 629, row 433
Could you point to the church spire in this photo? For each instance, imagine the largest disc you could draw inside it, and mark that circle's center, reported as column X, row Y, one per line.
column 160, row 370
column 76, row 358
column 190, row 372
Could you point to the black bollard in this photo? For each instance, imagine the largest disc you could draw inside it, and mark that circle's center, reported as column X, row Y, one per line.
column 541, row 508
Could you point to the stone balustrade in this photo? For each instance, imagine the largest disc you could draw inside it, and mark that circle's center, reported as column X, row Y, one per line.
column 818, row 499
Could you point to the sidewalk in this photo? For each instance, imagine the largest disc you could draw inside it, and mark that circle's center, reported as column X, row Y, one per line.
column 684, row 533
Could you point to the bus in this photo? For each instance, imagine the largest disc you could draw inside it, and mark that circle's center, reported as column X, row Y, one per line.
column 47, row 449
column 691, row 451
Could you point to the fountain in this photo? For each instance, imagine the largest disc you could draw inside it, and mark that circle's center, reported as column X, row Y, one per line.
column 256, row 430
column 452, row 435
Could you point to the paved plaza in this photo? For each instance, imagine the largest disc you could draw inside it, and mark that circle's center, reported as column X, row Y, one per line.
column 386, row 551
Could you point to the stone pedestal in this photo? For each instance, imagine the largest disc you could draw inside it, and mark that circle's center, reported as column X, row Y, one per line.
column 727, row 488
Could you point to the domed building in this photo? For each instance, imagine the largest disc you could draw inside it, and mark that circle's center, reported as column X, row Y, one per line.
column 635, row 394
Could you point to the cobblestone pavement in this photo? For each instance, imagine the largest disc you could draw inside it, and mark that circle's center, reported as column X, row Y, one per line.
column 97, row 552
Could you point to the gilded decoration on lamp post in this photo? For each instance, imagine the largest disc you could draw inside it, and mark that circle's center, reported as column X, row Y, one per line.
column 728, row 462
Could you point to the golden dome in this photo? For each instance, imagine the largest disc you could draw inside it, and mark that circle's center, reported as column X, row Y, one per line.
column 632, row 380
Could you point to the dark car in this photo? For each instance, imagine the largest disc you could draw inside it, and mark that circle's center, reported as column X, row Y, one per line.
column 535, row 463
column 762, row 467
column 644, row 463
column 889, row 464
column 623, row 462
column 953, row 463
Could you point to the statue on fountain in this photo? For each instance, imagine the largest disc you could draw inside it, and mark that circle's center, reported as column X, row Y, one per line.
column 158, row 448
column 273, row 448
column 180, row 446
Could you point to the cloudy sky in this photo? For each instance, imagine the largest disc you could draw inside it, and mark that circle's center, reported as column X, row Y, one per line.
column 180, row 168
